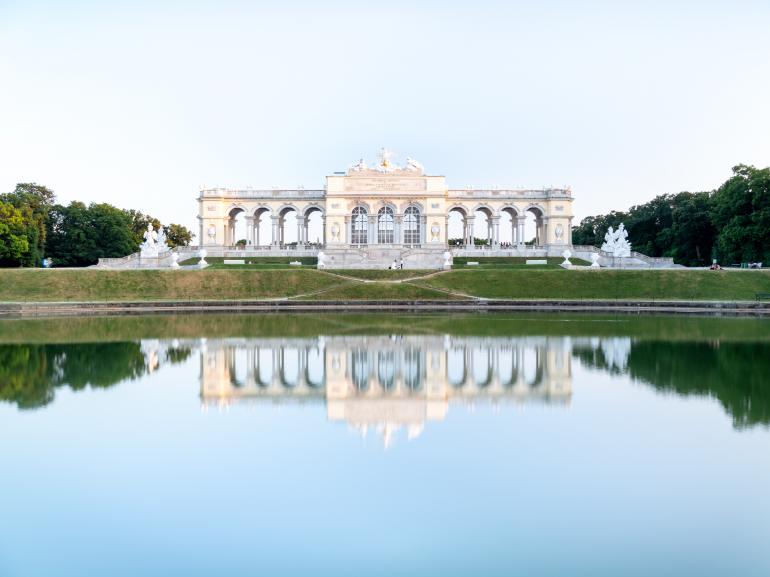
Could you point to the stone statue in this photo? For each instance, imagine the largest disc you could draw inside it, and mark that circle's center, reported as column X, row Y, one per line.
column 608, row 245
column 174, row 260
column 149, row 248
column 595, row 256
column 162, row 240
column 385, row 165
column 359, row 166
column 413, row 166
column 447, row 259
column 202, row 262
column 321, row 257
column 616, row 242
column 566, row 254
column 622, row 246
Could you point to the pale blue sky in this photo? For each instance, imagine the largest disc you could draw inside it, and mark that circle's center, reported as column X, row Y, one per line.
column 139, row 103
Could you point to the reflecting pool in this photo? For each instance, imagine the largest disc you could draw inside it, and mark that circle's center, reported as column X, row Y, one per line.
column 489, row 444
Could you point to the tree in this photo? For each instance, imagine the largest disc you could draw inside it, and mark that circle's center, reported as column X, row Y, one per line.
column 78, row 235
column 692, row 233
column 34, row 201
column 741, row 214
column 177, row 235
column 14, row 244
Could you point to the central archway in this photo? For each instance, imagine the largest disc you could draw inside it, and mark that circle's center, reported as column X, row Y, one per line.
column 359, row 225
column 385, row 225
column 412, row 226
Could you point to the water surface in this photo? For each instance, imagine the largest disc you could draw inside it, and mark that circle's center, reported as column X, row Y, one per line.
column 385, row 444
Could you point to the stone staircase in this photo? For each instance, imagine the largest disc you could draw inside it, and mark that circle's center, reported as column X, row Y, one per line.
column 382, row 257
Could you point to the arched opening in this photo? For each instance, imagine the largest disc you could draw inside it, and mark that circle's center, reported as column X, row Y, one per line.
column 509, row 228
column 385, row 225
column 456, row 367
column 481, row 361
column 314, row 227
column 532, row 367
column 359, row 224
column 457, row 227
column 263, row 227
column 359, row 364
column 237, row 367
column 413, row 368
column 236, row 227
column 507, row 366
column 288, row 228
column 290, row 369
column 483, row 235
column 534, row 228
column 315, row 369
column 386, row 369
column 412, row 226
column 264, row 372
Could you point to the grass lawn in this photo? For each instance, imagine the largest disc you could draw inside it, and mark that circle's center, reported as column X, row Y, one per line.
column 508, row 262
column 261, row 261
column 604, row 284
column 497, row 283
column 380, row 291
column 385, row 274
column 123, row 285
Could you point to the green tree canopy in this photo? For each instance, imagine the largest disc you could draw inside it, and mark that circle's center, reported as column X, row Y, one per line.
column 34, row 201
column 178, row 235
column 78, row 235
column 14, row 243
column 731, row 223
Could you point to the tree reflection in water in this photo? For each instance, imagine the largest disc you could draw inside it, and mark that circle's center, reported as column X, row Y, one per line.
column 30, row 374
column 736, row 373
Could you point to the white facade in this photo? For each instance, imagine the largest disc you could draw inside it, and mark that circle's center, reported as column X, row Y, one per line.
column 385, row 207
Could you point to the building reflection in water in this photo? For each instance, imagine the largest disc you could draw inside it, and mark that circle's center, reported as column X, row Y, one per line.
column 386, row 383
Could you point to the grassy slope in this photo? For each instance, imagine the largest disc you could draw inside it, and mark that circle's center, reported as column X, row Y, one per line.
column 100, row 285
column 382, row 274
column 380, row 291
column 605, row 284
column 513, row 262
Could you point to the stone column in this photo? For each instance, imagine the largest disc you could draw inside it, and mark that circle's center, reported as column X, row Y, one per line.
column 470, row 233
column 495, row 231
column 521, row 220
column 323, row 230
column 300, row 231
column 372, row 236
column 249, row 230
column 200, row 232
column 276, row 241
column 544, row 241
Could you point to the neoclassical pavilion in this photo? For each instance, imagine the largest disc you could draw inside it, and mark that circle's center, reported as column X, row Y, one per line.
column 386, row 210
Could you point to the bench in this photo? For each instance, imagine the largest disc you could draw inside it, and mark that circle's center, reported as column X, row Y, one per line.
column 536, row 261
column 760, row 296
column 472, row 263
column 234, row 261
column 295, row 263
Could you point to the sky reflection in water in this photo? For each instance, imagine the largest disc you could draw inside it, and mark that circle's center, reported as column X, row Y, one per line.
column 376, row 454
